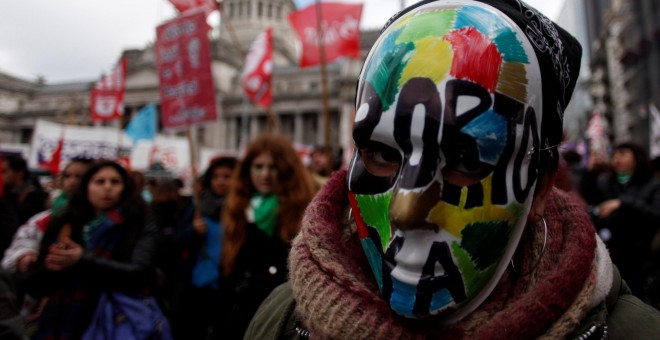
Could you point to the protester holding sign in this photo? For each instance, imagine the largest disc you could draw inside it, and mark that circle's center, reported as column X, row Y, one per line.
column 193, row 246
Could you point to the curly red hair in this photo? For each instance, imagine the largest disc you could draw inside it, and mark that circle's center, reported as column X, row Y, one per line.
column 294, row 188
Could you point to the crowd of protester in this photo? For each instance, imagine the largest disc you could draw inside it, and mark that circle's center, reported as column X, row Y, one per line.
column 208, row 259
column 211, row 258
column 416, row 230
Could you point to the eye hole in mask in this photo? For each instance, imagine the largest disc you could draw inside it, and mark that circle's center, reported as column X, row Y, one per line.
column 381, row 161
column 464, row 167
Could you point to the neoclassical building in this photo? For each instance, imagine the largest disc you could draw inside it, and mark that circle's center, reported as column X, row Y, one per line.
column 297, row 96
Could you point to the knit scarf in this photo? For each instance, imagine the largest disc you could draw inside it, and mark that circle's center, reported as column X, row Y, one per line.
column 546, row 295
column 100, row 235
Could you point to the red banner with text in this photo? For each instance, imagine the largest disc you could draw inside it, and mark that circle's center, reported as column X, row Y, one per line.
column 183, row 60
column 340, row 25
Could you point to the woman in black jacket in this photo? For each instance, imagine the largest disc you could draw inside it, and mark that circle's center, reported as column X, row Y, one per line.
column 263, row 211
column 624, row 201
column 102, row 242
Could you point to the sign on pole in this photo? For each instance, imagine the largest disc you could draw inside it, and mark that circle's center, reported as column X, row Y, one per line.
column 183, row 60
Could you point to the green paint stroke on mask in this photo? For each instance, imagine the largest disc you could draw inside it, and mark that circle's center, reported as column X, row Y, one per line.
column 486, row 242
column 375, row 212
column 434, row 24
column 516, row 210
column 385, row 68
column 473, row 279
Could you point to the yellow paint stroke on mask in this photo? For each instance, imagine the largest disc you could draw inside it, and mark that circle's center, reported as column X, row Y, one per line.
column 513, row 81
column 431, row 59
column 402, row 22
column 454, row 219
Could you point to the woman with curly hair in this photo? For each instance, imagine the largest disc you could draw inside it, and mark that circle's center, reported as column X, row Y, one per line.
column 263, row 211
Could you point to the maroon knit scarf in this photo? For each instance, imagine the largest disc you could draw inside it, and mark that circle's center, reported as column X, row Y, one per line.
column 337, row 296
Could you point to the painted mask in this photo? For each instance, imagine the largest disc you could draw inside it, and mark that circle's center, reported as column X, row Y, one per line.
column 447, row 138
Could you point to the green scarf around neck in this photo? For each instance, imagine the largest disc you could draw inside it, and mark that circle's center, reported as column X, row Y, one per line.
column 264, row 208
column 623, row 178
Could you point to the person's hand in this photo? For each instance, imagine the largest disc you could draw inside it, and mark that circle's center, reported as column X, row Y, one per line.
column 607, row 207
column 25, row 262
column 63, row 255
column 199, row 226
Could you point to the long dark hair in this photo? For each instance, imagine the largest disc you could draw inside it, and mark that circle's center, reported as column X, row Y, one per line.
column 226, row 161
column 79, row 211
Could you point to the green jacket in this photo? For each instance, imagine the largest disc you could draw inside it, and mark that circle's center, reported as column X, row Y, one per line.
column 620, row 316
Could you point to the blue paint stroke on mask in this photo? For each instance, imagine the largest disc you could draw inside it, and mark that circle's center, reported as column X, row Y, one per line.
column 403, row 298
column 441, row 299
column 489, row 130
column 375, row 260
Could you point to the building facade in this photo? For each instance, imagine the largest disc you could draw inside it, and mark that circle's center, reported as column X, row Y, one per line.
column 624, row 41
column 297, row 93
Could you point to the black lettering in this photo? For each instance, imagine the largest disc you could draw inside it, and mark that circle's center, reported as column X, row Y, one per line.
column 415, row 92
column 457, row 88
column 430, row 283
column 519, row 190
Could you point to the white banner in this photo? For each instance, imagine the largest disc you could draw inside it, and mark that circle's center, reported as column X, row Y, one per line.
column 102, row 142
column 172, row 153
column 79, row 141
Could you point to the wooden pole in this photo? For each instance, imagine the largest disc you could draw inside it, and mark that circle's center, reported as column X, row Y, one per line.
column 193, row 171
column 273, row 122
column 120, row 138
column 324, row 73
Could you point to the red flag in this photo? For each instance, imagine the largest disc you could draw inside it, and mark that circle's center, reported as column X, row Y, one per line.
column 185, row 5
column 124, row 161
column 56, row 159
column 107, row 98
column 341, row 31
column 257, row 74
column 183, row 60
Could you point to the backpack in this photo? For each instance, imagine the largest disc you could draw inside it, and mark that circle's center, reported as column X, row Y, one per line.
column 120, row 316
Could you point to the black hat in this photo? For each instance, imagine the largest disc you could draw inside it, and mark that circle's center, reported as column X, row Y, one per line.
column 558, row 54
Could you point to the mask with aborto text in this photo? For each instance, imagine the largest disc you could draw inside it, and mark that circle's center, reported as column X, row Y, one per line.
column 447, row 126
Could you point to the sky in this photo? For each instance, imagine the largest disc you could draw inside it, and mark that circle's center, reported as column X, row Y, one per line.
column 78, row 40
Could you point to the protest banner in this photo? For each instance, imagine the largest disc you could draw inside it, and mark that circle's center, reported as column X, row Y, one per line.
column 338, row 30
column 78, row 141
column 257, row 74
column 107, row 95
column 183, row 60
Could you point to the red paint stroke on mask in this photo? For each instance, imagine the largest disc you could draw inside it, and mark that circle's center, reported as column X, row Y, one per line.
column 359, row 222
column 476, row 58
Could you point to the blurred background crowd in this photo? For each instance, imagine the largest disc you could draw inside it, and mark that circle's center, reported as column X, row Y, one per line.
column 211, row 253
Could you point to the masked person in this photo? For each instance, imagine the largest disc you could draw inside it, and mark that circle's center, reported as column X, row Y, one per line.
column 446, row 224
